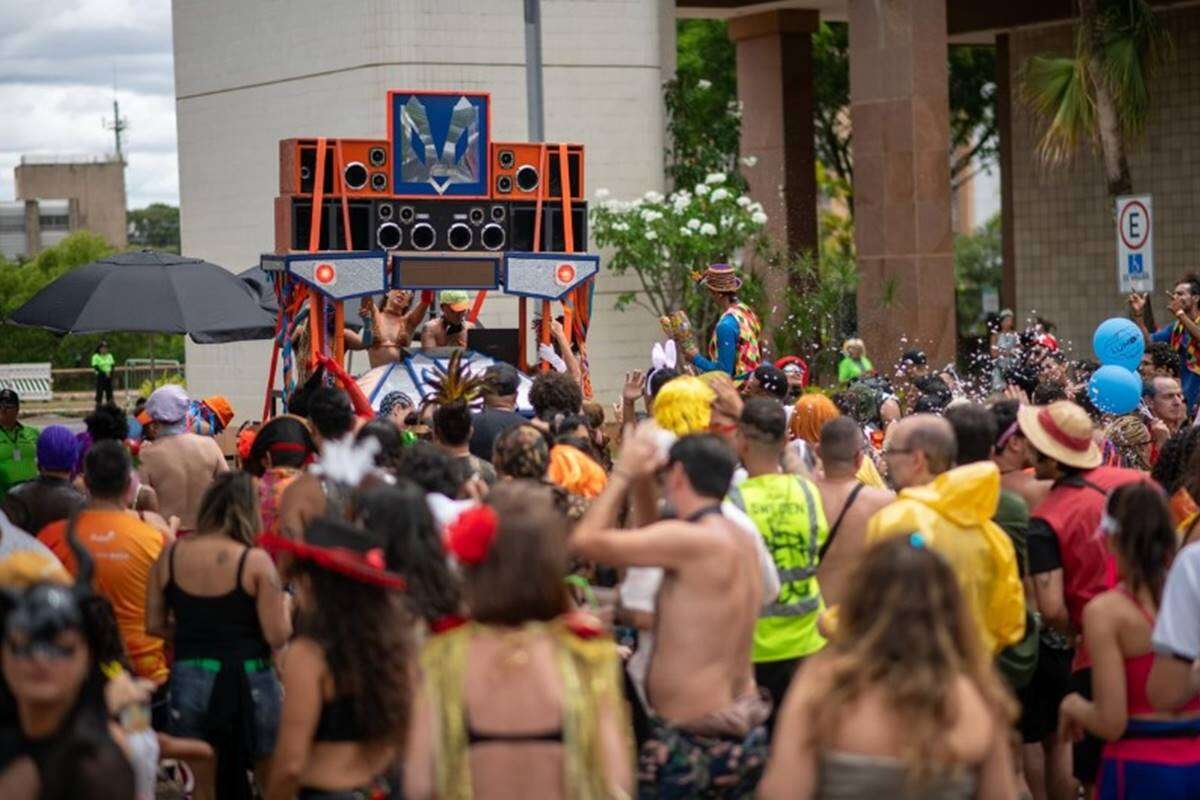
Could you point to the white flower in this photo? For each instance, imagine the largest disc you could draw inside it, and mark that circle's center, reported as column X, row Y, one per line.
column 744, row 201
column 650, row 215
column 651, row 235
column 601, row 194
column 703, row 84
column 726, row 221
column 719, row 194
column 620, row 226
column 755, row 208
column 714, row 178
column 693, row 223
column 749, row 161
column 652, row 197
column 701, row 189
column 758, row 218
column 708, row 229
column 635, row 203
column 685, row 231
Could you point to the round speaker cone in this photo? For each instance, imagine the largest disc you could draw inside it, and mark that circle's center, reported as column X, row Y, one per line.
column 377, row 156
column 504, row 184
column 459, row 236
column 527, row 178
column 355, row 175
column 379, row 181
column 407, row 214
column 499, row 213
column 305, row 173
column 506, row 159
column 492, row 236
column 385, row 211
column 476, row 216
column 423, row 236
column 389, row 236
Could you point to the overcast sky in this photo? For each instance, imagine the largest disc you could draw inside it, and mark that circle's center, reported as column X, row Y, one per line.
column 56, row 87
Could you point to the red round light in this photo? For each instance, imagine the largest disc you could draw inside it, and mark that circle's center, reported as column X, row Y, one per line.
column 565, row 274
column 325, row 274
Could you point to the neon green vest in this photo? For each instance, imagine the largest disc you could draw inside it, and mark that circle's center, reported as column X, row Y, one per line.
column 787, row 510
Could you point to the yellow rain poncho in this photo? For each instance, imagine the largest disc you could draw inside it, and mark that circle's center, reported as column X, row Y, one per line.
column 954, row 514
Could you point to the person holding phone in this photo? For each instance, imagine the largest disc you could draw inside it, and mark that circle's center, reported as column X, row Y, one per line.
column 1183, row 334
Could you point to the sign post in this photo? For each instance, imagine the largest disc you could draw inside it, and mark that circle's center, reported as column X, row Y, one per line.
column 1135, row 245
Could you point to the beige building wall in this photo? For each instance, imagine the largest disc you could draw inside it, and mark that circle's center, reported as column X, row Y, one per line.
column 250, row 74
column 1065, row 235
column 97, row 187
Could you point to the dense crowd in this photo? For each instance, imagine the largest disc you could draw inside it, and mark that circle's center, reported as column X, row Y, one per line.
column 731, row 584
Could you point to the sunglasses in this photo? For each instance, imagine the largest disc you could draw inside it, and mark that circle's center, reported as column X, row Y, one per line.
column 51, row 651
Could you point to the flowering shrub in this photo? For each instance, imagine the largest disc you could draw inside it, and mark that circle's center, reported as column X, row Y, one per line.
column 664, row 239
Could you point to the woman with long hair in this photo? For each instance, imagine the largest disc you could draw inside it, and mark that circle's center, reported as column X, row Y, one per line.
column 399, row 515
column 56, row 738
column 1147, row 753
column 904, row 702
column 281, row 449
column 217, row 598
column 346, row 676
column 522, row 701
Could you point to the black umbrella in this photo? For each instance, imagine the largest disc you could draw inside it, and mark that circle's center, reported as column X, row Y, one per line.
column 147, row 291
column 262, row 285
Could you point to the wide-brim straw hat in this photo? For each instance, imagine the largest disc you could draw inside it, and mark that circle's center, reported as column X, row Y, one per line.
column 1062, row 431
column 721, row 278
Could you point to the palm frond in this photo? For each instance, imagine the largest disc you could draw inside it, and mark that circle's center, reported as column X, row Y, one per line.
column 457, row 385
column 1056, row 89
column 1136, row 44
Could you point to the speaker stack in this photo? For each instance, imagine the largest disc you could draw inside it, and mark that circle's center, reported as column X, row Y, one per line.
column 442, row 225
column 517, row 171
column 366, row 170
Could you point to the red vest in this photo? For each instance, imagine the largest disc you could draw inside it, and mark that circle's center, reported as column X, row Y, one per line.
column 1073, row 510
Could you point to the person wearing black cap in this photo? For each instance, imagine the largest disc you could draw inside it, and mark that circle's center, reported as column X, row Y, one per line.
column 18, row 444
column 767, row 380
column 501, row 382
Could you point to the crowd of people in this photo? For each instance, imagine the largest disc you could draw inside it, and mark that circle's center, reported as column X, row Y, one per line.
column 734, row 584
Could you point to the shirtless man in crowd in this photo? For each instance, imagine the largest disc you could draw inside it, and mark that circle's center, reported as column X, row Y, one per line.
column 391, row 326
column 450, row 329
column 701, row 680
column 848, row 505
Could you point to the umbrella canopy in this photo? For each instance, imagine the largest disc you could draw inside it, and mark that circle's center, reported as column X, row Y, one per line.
column 147, row 291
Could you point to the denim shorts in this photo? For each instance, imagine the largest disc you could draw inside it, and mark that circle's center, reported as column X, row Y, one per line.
column 190, row 691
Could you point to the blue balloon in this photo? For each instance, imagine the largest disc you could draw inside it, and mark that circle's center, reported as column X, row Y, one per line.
column 1119, row 342
column 1115, row 390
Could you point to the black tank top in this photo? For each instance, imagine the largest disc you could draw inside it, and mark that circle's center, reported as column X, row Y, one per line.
column 223, row 626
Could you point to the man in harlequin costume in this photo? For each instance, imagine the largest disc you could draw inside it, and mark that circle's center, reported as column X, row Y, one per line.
column 733, row 348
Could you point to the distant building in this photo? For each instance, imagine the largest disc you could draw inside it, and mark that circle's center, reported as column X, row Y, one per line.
column 27, row 226
column 96, row 186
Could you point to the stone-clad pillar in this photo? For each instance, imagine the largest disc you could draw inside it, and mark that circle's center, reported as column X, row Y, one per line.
column 899, row 110
column 774, row 73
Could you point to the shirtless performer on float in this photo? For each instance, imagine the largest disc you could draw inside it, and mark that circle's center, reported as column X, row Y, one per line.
column 391, row 326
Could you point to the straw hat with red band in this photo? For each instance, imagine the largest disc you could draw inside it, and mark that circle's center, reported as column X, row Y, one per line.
column 364, row 567
column 722, row 278
column 1061, row 431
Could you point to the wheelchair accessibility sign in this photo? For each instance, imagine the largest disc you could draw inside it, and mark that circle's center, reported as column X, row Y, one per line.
column 1135, row 253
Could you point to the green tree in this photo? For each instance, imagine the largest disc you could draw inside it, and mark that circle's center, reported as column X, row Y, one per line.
column 1100, row 94
column 21, row 280
column 155, row 226
column 977, row 268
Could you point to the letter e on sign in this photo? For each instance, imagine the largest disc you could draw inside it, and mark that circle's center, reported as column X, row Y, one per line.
column 1135, row 252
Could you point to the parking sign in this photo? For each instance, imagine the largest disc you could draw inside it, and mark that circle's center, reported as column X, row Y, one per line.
column 1135, row 250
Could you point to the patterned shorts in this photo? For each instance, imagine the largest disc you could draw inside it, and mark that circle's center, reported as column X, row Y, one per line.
column 674, row 764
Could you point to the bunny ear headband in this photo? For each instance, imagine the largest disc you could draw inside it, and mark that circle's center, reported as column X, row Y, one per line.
column 662, row 356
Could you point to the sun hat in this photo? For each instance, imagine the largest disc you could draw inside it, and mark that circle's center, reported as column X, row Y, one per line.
column 721, row 278
column 1062, row 431
column 220, row 405
column 168, row 404
column 455, row 300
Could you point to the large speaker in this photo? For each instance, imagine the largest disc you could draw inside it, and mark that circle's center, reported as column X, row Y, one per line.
column 517, row 171
column 553, row 234
column 366, row 171
column 441, row 225
column 293, row 224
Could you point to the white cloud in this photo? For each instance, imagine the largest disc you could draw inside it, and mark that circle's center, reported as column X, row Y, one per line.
column 57, row 63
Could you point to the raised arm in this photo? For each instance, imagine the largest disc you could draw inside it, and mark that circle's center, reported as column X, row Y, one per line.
column 417, row 313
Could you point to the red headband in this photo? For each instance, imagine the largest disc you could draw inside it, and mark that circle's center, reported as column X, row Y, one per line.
column 471, row 534
column 365, row 567
column 1079, row 444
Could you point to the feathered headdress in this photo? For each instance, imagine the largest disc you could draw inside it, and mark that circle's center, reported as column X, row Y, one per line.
column 458, row 384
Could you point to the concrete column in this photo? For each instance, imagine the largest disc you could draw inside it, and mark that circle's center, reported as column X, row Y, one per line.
column 774, row 74
column 899, row 111
column 33, row 229
column 1008, row 249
